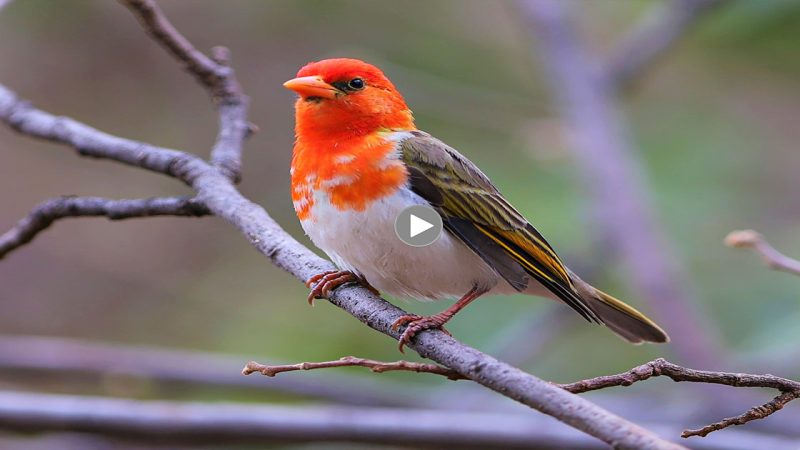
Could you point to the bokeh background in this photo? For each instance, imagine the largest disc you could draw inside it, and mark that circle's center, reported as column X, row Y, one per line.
column 716, row 125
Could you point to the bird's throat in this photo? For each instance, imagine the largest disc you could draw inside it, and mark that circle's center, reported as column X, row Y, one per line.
column 345, row 174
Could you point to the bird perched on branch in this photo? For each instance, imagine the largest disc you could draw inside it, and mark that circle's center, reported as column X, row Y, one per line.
column 359, row 161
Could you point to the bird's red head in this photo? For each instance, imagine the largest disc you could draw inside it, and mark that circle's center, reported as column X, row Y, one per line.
column 341, row 98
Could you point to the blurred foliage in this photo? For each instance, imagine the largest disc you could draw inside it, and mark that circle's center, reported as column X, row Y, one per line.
column 716, row 123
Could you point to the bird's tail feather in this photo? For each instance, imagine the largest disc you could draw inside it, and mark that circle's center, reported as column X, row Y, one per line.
column 620, row 317
column 625, row 320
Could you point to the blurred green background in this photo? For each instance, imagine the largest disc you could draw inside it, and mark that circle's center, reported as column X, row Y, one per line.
column 716, row 123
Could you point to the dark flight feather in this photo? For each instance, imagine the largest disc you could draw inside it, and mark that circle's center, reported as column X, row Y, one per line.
column 474, row 211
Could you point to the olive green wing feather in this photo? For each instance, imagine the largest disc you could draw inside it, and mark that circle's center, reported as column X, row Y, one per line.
column 473, row 210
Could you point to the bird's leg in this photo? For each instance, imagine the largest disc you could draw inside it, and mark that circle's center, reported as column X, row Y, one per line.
column 327, row 281
column 420, row 323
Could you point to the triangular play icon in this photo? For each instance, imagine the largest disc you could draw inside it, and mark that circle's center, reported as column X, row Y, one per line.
column 417, row 225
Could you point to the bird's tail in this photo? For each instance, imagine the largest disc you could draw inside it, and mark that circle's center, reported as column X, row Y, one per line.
column 622, row 318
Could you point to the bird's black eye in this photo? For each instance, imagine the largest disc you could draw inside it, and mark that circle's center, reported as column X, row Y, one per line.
column 348, row 87
column 356, row 84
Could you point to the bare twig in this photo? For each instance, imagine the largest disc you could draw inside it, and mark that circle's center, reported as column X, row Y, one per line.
column 754, row 413
column 652, row 38
column 54, row 209
column 215, row 74
column 27, row 359
column 790, row 389
column 661, row 367
column 756, row 241
column 207, row 71
column 613, row 179
column 218, row 193
column 350, row 361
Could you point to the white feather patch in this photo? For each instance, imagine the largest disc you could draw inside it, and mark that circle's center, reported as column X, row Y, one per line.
column 365, row 242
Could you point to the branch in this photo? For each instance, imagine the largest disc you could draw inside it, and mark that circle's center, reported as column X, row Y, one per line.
column 754, row 413
column 653, row 37
column 789, row 389
column 228, row 424
column 54, row 209
column 756, row 241
column 613, row 180
column 662, row 367
column 215, row 74
column 351, row 361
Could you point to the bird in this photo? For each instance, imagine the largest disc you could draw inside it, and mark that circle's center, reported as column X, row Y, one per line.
column 359, row 160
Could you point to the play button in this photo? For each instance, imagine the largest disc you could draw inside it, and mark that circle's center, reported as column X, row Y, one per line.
column 418, row 225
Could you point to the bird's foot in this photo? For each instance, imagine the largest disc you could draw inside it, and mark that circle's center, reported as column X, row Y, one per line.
column 416, row 324
column 325, row 282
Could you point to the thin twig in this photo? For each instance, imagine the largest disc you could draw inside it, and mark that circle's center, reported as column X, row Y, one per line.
column 662, row 367
column 652, row 38
column 207, row 71
column 54, row 209
column 754, row 413
column 215, row 74
column 756, row 241
column 350, row 361
column 790, row 389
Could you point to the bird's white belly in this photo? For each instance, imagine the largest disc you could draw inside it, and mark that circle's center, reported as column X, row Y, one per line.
column 365, row 242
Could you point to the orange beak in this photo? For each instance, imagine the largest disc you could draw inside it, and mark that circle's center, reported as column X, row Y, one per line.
column 311, row 87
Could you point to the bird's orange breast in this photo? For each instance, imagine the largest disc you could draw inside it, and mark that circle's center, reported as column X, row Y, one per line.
column 349, row 175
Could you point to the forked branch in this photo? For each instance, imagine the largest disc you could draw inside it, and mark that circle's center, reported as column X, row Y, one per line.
column 789, row 389
column 215, row 74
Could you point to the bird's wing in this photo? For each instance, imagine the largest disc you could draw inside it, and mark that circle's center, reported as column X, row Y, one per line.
column 474, row 210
